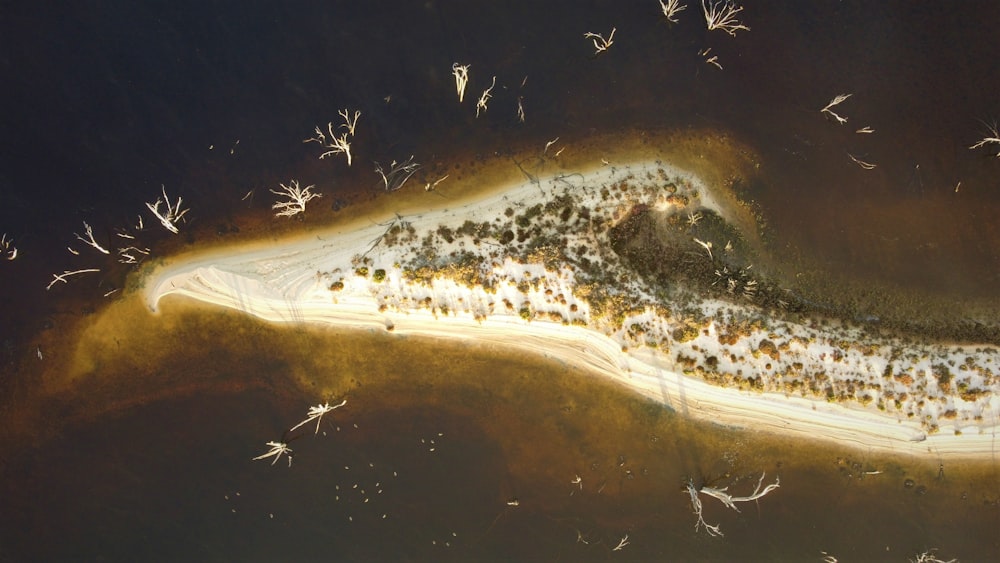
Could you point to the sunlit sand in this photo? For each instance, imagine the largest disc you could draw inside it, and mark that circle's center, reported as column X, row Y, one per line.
column 458, row 272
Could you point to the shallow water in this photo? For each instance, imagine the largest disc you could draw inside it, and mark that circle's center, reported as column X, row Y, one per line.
column 435, row 440
column 113, row 99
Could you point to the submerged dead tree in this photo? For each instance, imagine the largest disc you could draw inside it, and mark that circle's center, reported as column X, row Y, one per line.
column 726, row 499
column 398, row 173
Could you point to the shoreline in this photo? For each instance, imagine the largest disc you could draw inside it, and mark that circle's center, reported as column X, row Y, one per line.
column 496, row 293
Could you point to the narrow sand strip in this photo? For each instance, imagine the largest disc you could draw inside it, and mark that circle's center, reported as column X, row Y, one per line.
column 291, row 282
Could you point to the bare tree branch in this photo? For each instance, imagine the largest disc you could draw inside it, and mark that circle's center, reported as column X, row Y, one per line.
column 297, row 198
column 721, row 14
column 461, row 74
column 600, row 43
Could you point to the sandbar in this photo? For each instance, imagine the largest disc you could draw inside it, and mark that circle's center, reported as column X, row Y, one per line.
column 528, row 267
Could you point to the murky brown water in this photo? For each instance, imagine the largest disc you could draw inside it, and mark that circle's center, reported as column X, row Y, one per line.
column 152, row 425
column 435, row 441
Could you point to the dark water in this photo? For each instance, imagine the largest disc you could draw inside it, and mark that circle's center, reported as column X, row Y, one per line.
column 106, row 101
column 422, row 462
column 114, row 99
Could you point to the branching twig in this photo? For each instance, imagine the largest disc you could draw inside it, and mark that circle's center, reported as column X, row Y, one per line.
column 127, row 255
column 316, row 413
column 730, row 501
column 334, row 144
column 171, row 216
column 726, row 499
column 713, row 530
column 62, row 277
column 929, row 557
column 487, row 94
column 836, row 101
column 90, row 239
column 713, row 60
column 721, row 14
column 398, row 173
column 349, row 123
column 461, row 73
column 297, row 199
column 600, row 43
column 277, row 448
column 671, row 8
column 992, row 137
column 7, row 248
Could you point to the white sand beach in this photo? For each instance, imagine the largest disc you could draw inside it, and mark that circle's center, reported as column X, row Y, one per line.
column 402, row 273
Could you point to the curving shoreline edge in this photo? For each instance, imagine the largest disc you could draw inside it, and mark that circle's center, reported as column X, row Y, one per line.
column 334, row 280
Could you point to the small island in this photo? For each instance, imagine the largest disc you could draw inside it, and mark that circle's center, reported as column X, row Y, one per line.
column 638, row 271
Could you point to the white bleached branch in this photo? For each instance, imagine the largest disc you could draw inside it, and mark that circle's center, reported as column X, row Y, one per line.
column 297, row 196
column 671, row 8
column 128, row 254
column 707, row 246
column 461, row 74
column 726, row 499
column 7, row 248
column 429, row 187
column 721, row 14
column 696, row 507
column 600, row 43
column 837, row 100
column 487, row 94
column 992, row 137
column 861, row 163
column 929, row 557
column 865, row 130
column 730, row 501
column 335, row 145
column 621, row 544
column 349, row 123
column 520, row 109
column 89, row 241
column 62, row 277
column 277, row 448
column 171, row 216
column 316, row 413
column 713, row 60
column 398, row 173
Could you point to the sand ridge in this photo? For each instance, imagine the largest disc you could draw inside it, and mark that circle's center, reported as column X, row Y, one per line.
column 357, row 278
